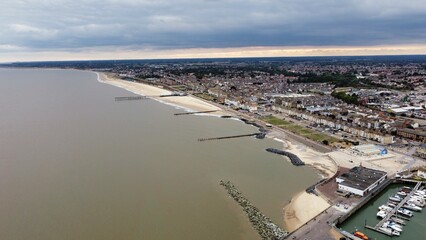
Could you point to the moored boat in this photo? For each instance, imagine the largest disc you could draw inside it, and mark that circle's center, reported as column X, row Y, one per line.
column 385, row 208
column 412, row 206
column 405, row 212
column 395, row 198
column 401, row 193
column 360, row 235
column 398, row 220
column 381, row 214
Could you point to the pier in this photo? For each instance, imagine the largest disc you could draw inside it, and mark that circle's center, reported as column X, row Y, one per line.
column 132, row 98
column 229, row 137
column 189, row 113
column 394, row 211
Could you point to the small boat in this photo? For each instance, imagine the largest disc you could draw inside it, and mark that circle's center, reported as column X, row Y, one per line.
column 391, row 204
column 360, row 235
column 423, row 192
column 405, row 212
column 420, row 195
column 395, row 198
column 381, row 214
column 386, row 230
column 401, row 193
column 390, row 231
column 393, row 226
column 417, row 198
column 416, row 202
column 398, row 220
column 412, row 206
column 406, row 188
column 385, row 208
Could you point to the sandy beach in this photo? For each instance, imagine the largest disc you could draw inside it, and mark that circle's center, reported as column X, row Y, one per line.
column 303, row 207
column 188, row 103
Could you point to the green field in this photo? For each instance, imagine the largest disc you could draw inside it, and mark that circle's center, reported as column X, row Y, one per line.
column 299, row 130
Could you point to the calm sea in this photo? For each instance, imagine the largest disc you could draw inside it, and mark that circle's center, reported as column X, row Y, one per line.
column 75, row 164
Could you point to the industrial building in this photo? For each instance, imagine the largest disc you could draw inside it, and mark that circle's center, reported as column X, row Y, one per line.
column 360, row 180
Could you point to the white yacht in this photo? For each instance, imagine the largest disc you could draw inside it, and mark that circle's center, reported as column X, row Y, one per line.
column 382, row 214
column 393, row 226
column 412, row 206
column 416, row 202
column 395, row 198
column 385, row 208
column 402, row 193
column 405, row 212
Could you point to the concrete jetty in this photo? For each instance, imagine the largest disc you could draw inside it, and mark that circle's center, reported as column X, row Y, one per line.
column 228, row 137
column 131, row 98
column 189, row 113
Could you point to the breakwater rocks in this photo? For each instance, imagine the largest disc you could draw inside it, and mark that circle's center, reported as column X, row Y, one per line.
column 295, row 160
column 263, row 225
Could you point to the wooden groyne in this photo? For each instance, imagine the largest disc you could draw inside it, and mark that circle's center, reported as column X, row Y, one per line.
column 295, row 160
column 263, row 225
column 130, row 98
column 258, row 135
column 189, row 113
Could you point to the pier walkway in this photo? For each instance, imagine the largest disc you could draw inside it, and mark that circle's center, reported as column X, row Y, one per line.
column 228, row 137
column 189, row 113
column 393, row 212
column 130, row 98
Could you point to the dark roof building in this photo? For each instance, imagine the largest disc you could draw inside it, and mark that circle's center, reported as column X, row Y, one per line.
column 360, row 180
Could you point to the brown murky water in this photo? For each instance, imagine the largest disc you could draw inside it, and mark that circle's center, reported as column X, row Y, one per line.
column 74, row 164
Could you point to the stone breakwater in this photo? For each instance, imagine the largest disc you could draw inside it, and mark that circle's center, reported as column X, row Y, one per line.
column 295, row 160
column 263, row 225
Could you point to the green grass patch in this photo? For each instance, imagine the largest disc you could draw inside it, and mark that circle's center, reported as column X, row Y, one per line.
column 205, row 96
column 300, row 130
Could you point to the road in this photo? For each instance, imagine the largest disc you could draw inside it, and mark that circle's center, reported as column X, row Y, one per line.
column 318, row 228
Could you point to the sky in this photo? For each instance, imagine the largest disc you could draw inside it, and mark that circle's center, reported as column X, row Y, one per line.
column 39, row 30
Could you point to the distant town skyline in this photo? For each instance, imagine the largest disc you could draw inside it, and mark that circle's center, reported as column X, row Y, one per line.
column 129, row 29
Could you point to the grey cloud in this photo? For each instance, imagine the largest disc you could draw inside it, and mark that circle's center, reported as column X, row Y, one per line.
column 74, row 24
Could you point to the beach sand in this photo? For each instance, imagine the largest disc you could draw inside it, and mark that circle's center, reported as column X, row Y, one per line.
column 188, row 103
column 320, row 161
column 302, row 208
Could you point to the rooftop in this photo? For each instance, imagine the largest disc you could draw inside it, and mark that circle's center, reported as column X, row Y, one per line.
column 361, row 177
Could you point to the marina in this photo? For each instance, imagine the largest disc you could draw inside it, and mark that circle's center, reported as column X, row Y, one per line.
column 395, row 220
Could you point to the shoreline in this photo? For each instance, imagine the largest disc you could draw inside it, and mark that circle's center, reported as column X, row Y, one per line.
column 296, row 213
column 186, row 103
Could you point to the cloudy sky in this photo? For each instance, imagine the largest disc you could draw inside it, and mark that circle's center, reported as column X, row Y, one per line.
column 117, row 29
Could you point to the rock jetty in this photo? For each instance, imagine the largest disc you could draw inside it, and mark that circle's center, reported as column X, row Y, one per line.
column 295, row 160
column 263, row 225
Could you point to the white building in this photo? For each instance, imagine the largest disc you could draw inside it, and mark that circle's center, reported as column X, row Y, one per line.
column 360, row 180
